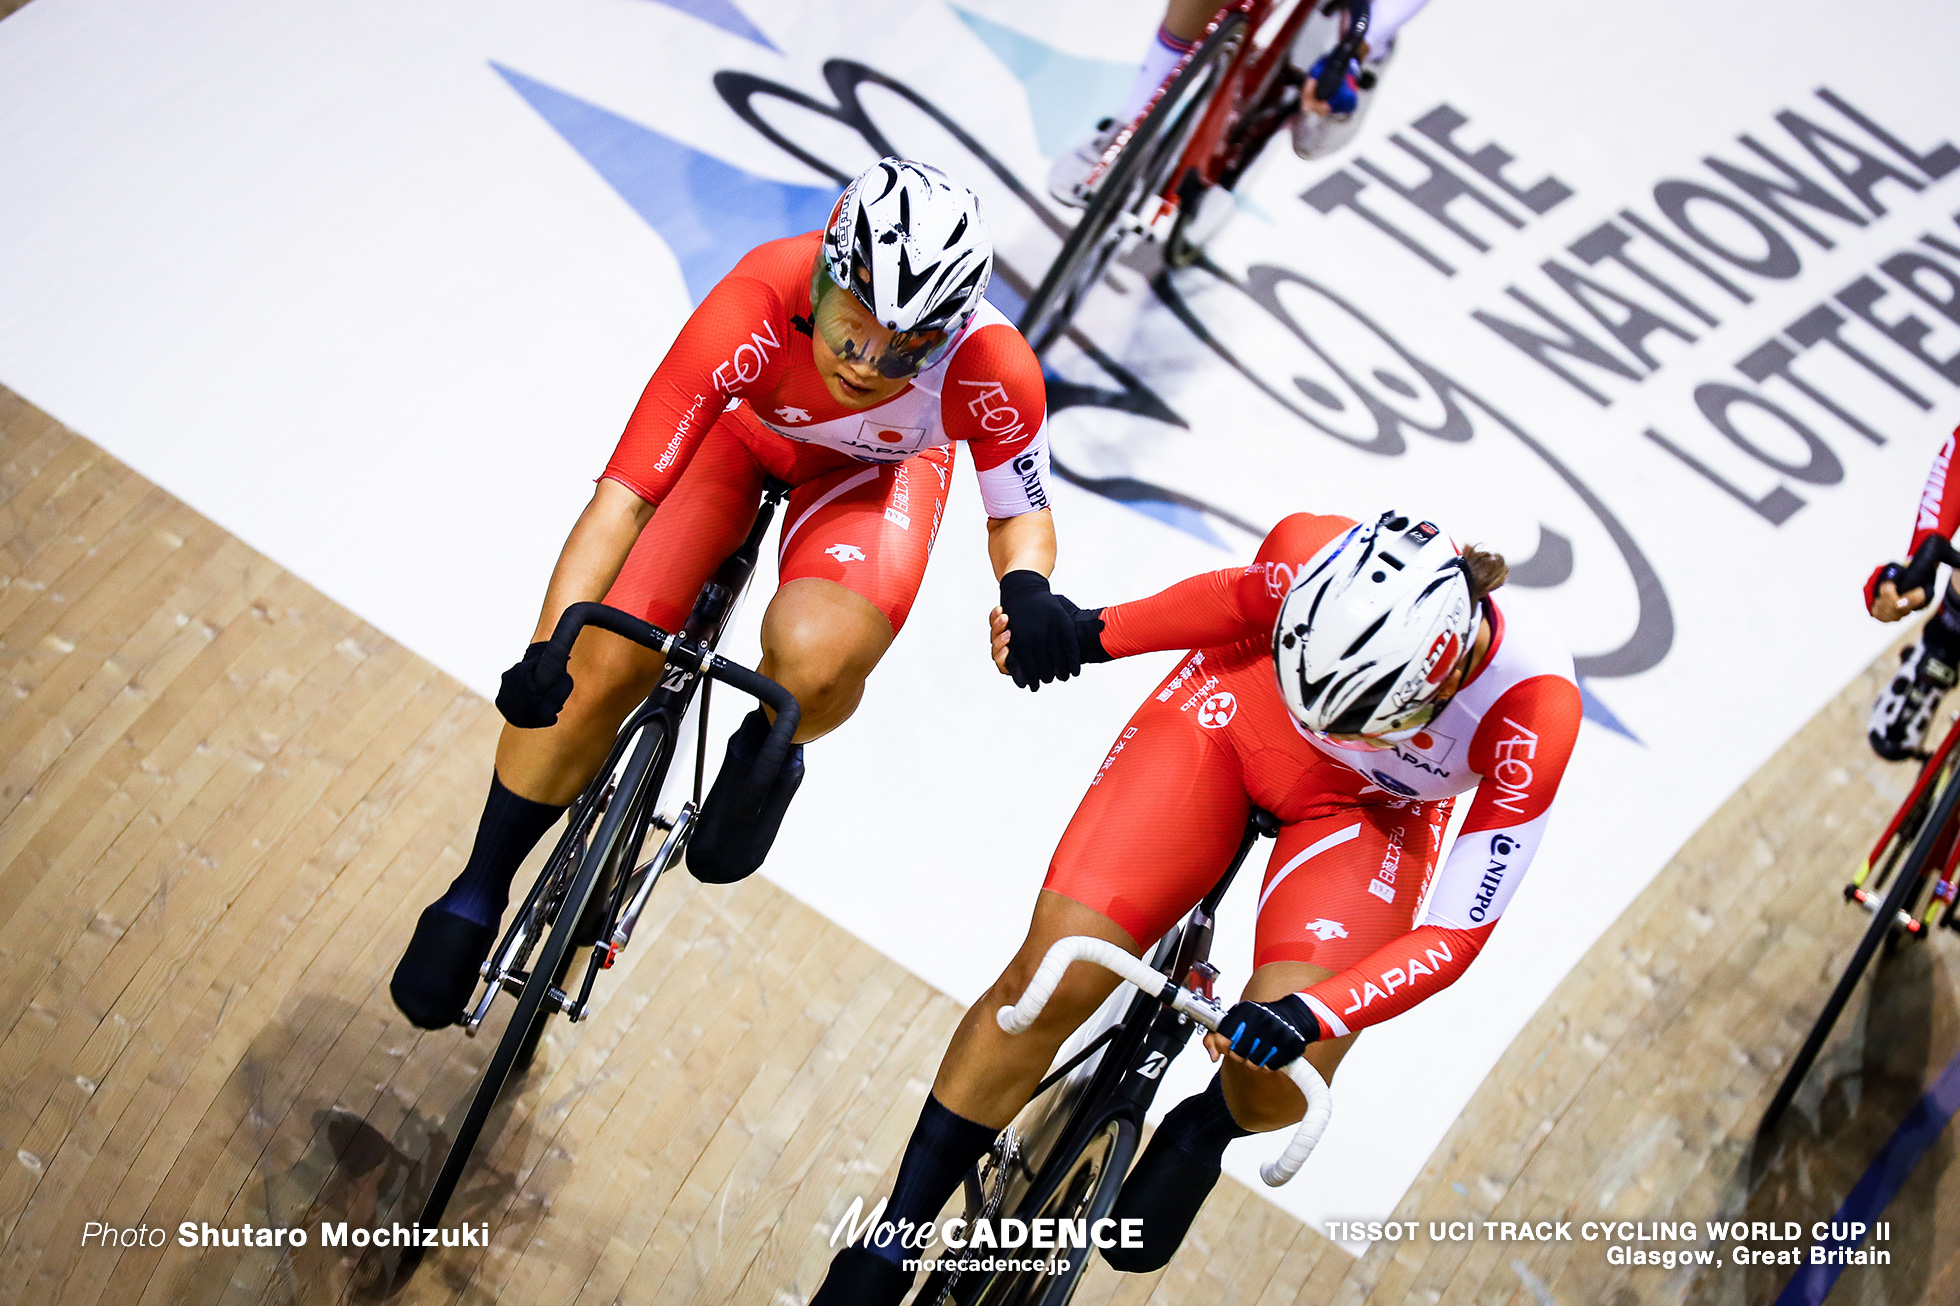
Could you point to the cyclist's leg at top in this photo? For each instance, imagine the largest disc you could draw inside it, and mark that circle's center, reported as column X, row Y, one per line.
column 539, row 772
column 1909, row 697
column 854, row 548
column 1183, row 27
column 1343, row 880
column 1155, row 831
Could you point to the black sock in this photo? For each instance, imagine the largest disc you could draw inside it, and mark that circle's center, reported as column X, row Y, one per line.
column 942, row 1147
column 510, row 828
column 1941, row 635
column 1202, row 1124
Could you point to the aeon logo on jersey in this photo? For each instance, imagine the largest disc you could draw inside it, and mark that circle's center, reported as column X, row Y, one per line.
column 1325, row 929
column 1216, row 712
column 990, row 403
column 846, row 552
column 745, row 365
column 1511, row 770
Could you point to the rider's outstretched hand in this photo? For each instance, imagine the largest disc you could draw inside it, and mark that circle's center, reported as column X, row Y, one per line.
column 1887, row 604
column 1268, row 1034
column 1038, row 635
column 534, row 691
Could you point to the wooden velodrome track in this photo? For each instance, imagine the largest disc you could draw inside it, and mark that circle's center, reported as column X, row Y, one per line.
column 222, row 798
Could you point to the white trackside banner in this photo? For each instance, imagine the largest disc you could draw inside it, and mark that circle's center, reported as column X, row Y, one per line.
column 1662, row 301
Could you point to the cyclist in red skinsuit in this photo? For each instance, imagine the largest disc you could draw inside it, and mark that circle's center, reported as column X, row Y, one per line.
column 1927, row 667
column 849, row 363
column 1356, row 921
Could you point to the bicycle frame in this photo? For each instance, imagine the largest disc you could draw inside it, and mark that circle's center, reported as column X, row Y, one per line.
column 659, row 717
column 609, row 821
column 1259, row 84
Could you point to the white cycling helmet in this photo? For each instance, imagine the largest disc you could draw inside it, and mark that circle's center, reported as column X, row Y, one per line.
column 1371, row 628
column 910, row 247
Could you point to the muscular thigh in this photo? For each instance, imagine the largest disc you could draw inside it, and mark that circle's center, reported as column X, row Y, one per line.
column 697, row 525
column 870, row 528
column 1345, row 881
column 1159, row 824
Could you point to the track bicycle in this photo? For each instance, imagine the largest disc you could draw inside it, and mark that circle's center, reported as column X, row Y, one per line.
column 591, row 892
column 1066, row 1156
column 1199, row 133
column 1918, row 850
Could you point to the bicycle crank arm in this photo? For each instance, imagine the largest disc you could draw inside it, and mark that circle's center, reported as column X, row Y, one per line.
column 648, row 874
column 1018, row 1018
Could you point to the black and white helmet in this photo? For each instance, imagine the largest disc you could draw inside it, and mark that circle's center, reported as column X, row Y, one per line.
column 1371, row 628
column 911, row 246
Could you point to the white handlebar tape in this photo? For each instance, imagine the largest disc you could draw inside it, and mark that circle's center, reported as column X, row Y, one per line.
column 1018, row 1018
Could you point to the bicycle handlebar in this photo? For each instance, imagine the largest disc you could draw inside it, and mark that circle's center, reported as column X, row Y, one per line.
column 1018, row 1018
column 1925, row 565
column 775, row 748
column 1334, row 68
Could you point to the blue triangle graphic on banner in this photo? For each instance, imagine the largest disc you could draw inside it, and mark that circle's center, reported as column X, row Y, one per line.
column 1594, row 710
column 710, row 213
column 722, row 14
column 1066, row 93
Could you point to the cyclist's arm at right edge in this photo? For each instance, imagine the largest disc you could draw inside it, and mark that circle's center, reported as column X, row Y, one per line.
column 1938, row 514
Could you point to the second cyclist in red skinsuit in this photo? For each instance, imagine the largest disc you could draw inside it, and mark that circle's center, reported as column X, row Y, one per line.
column 1353, row 681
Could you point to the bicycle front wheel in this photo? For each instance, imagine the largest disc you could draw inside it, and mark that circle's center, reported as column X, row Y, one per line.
column 1909, row 882
column 1082, row 1187
column 1128, row 192
column 536, row 1000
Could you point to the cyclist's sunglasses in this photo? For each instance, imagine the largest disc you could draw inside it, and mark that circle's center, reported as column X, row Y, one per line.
column 856, row 336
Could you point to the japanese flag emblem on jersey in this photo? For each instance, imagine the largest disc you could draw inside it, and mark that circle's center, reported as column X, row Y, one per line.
column 883, row 440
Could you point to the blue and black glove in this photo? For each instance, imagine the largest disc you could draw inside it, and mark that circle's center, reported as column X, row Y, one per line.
column 534, row 691
column 1347, row 96
column 1270, row 1033
column 1048, row 638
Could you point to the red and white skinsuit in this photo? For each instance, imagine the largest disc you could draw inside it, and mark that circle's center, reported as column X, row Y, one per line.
column 738, row 398
column 1361, row 827
column 1939, row 512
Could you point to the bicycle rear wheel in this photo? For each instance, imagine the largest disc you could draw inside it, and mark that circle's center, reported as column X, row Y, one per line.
column 548, row 971
column 1908, row 884
column 1142, row 172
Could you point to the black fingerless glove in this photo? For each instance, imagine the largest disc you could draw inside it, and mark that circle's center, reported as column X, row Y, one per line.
column 1270, row 1033
column 1048, row 638
column 534, row 691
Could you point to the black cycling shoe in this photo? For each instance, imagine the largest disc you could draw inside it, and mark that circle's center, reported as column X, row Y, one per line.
column 860, row 1277
column 1165, row 1191
column 727, row 846
column 438, row 970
